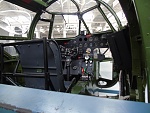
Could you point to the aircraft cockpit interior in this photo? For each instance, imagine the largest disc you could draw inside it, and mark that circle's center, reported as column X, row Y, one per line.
column 78, row 50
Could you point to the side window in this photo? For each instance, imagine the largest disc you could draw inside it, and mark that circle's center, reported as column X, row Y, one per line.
column 14, row 20
column 11, row 50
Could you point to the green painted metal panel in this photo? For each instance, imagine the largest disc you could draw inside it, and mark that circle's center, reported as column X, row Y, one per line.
column 42, row 3
column 33, row 5
column 143, row 14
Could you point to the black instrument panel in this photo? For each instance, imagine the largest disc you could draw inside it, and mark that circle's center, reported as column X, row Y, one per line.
column 81, row 48
column 82, row 42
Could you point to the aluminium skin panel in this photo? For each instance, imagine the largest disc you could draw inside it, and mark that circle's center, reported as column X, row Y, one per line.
column 42, row 101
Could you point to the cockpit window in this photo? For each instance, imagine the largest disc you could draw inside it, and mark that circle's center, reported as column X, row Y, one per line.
column 84, row 5
column 63, row 6
column 11, row 50
column 93, row 20
column 14, row 20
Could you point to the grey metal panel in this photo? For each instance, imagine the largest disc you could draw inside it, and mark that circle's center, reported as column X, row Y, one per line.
column 31, row 56
column 56, row 102
column 54, row 47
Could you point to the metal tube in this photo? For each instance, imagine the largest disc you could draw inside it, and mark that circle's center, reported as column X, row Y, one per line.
column 11, row 81
column 23, row 42
column 79, row 27
column 13, row 38
column 33, row 25
column 61, row 13
column 75, row 3
column 17, row 65
column 2, row 63
column 33, row 75
column 51, row 26
column 112, row 12
column 46, row 73
column 46, row 20
column 84, row 24
column 90, row 9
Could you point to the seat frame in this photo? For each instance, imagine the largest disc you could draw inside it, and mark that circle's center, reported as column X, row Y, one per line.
column 47, row 45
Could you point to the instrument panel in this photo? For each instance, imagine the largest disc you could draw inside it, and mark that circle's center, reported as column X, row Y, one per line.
column 82, row 48
column 83, row 42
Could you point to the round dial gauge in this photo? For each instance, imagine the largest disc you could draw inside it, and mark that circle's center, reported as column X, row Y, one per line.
column 91, row 39
column 80, row 45
column 85, row 45
column 96, row 39
column 74, row 41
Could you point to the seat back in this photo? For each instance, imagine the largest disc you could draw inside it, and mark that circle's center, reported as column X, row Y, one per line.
column 32, row 55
